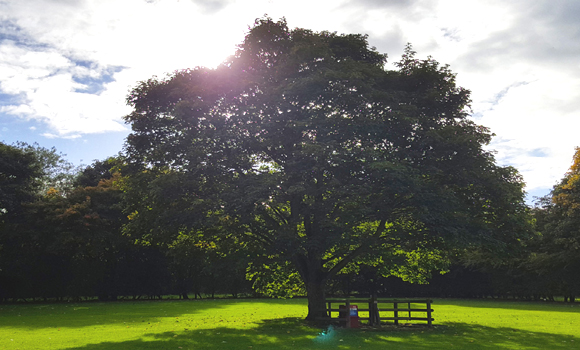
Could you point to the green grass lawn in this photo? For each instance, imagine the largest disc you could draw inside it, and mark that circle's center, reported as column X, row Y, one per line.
column 277, row 324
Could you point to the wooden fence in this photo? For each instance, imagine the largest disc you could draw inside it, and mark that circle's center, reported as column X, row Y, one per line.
column 381, row 310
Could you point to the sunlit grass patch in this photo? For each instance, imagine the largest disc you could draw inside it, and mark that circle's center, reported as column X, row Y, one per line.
column 278, row 324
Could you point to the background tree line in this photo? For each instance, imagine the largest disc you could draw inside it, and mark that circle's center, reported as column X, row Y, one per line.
column 66, row 240
column 300, row 166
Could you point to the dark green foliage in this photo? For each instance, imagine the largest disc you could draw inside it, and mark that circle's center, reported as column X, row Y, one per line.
column 64, row 244
column 72, row 245
column 555, row 258
column 99, row 170
column 304, row 146
column 56, row 172
column 19, row 171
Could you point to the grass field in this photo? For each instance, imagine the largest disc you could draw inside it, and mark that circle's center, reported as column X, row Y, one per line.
column 277, row 324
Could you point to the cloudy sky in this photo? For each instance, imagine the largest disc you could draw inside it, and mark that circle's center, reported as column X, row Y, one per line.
column 66, row 65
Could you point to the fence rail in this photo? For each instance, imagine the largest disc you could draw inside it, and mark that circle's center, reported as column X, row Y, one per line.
column 381, row 310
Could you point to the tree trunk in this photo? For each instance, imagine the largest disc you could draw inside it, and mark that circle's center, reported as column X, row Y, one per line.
column 316, row 299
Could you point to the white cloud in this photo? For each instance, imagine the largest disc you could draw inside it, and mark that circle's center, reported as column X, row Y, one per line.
column 69, row 137
column 44, row 81
column 162, row 35
column 144, row 38
column 71, row 63
column 526, row 87
column 519, row 59
column 541, row 114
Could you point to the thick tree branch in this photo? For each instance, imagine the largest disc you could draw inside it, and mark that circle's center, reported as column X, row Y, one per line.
column 279, row 214
column 358, row 251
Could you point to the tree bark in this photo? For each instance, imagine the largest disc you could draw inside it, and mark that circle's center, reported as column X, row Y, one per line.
column 316, row 299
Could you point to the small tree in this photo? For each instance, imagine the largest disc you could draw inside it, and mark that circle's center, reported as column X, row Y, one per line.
column 303, row 144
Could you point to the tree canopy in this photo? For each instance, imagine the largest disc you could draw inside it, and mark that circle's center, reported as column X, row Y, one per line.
column 554, row 254
column 19, row 170
column 303, row 144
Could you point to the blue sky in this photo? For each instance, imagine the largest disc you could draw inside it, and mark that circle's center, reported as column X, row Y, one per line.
column 66, row 65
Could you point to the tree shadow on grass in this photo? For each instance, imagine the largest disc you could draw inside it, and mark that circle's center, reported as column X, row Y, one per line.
column 78, row 315
column 293, row 333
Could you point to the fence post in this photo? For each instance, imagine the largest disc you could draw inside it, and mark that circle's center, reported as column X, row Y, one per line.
column 347, row 314
column 377, row 313
column 395, row 307
column 429, row 313
column 371, row 311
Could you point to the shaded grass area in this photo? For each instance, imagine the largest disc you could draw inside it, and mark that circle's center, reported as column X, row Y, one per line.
column 278, row 324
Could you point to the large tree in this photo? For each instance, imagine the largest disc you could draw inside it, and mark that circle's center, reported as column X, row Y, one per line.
column 304, row 144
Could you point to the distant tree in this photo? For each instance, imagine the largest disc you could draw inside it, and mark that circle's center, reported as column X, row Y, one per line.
column 99, row 170
column 303, row 144
column 19, row 171
column 66, row 245
column 555, row 254
column 56, row 171
column 72, row 244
